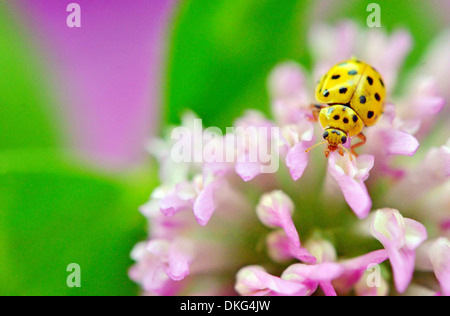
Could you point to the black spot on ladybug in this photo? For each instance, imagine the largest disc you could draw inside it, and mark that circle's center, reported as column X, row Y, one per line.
column 362, row 99
column 370, row 114
column 355, row 118
column 326, row 93
column 381, row 81
column 343, row 139
column 337, row 117
column 336, row 77
column 352, row 72
column 343, row 90
column 346, row 120
column 325, row 135
column 377, row 96
column 370, row 80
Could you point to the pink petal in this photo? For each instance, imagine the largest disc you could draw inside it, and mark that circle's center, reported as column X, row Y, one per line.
column 281, row 248
column 159, row 248
column 430, row 105
column 297, row 159
column 355, row 192
column 302, row 254
column 204, row 205
column 439, row 254
column 254, row 280
column 400, row 237
column 287, row 80
column 180, row 257
column 355, row 268
column 156, row 281
column 402, row 262
column 327, row 288
column 326, row 271
column 248, row 170
column 398, row 142
column 172, row 204
column 415, row 234
column 362, row 262
column 313, row 275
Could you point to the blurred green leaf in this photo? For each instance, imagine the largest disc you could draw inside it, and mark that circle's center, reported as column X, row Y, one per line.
column 54, row 213
column 25, row 115
column 222, row 52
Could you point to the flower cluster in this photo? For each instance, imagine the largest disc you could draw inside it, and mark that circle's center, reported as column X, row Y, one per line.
column 226, row 227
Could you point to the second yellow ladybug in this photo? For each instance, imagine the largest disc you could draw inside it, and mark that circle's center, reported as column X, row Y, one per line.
column 352, row 96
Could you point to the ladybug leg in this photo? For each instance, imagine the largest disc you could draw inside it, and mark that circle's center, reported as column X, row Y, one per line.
column 327, row 152
column 363, row 139
column 315, row 110
column 341, row 152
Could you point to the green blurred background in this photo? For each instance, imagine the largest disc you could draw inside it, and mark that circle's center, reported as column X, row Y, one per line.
column 56, row 209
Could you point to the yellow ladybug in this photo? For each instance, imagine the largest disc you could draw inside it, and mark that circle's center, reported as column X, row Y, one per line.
column 352, row 93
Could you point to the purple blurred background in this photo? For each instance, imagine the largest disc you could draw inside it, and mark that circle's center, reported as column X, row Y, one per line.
column 108, row 72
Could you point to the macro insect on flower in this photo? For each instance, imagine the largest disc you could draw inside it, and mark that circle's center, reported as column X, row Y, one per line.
column 228, row 228
column 353, row 93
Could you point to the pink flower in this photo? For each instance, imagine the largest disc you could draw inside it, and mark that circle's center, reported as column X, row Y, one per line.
column 400, row 237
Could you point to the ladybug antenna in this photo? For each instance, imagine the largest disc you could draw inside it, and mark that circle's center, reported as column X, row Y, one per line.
column 318, row 144
column 346, row 150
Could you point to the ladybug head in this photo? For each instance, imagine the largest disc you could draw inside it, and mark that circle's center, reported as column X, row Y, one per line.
column 335, row 139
